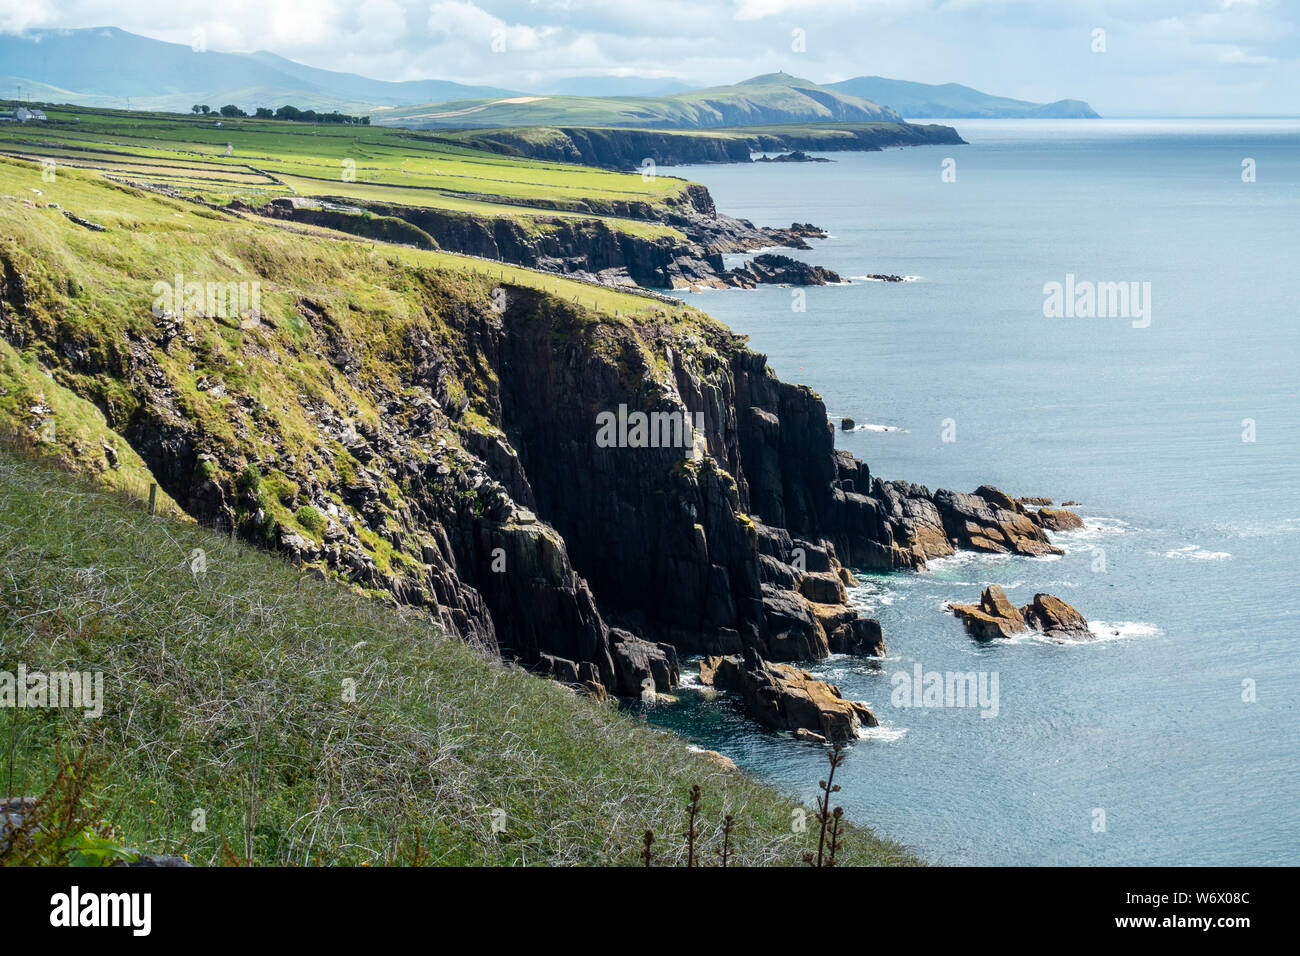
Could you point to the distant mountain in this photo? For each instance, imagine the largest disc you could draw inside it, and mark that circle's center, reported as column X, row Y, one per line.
column 954, row 101
column 614, row 86
column 103, row 66
column 771, row 98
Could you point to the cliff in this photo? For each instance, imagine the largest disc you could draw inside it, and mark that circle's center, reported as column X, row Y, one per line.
column 682, row 249
column 430, row 434
column 629, row 148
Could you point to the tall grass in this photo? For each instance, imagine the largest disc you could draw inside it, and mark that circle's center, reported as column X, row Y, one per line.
column 295, row 722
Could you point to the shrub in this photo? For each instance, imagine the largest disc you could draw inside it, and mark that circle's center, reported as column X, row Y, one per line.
column 249, row 482
column 311, row 520
column 205, row 470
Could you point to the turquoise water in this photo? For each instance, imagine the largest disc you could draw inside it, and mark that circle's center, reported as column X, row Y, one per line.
column 1188, row 566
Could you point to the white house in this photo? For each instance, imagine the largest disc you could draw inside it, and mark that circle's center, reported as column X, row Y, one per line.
column 25, row 115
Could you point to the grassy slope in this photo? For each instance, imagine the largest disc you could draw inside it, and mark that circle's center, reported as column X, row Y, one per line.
column 271, row 158
column 93, row 291
column 772, row 98
column 225, row 692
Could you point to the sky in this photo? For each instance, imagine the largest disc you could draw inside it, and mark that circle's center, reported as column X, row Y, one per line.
column 1152, row 58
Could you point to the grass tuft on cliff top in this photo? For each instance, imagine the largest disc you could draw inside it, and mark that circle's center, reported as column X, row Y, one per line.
column 225, row 692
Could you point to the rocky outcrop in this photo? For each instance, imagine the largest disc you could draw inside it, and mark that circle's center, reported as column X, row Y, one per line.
column 629, row 148
column 719, row 760
column 583, row 248
column 783, row 697
column 996, row 617
column 797, row 156
column 1055, row 618
column 636, row 660
column 1057, row 519
column 772, row 268
column 897, row 524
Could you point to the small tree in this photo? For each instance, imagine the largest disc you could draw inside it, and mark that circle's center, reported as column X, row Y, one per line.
column 828, row 818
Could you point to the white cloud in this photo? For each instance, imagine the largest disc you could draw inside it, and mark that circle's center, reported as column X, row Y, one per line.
column 19, row 15
column 1239, row 56
column 456, row 20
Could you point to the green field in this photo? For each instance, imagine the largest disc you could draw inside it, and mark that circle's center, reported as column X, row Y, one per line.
column 253, row 161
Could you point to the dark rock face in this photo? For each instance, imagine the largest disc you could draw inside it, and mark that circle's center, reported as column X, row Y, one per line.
column 636, row 660
column 860, row 636
column 995, row 616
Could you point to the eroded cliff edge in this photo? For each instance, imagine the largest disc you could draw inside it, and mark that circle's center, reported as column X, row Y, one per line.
column 431, row 436
column 614, row 148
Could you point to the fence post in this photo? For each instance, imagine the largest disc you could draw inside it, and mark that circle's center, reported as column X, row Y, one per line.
column 153, row 496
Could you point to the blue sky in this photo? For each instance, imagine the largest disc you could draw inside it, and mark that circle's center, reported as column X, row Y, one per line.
column 1161, row 58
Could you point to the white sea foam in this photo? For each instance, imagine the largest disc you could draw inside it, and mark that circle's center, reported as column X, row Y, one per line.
column 961, row 559
column 1102, row 632
column 871, row 279
column 883, row 733
column 872, row 595
column 1094, row 529
column 1121, row 630
column 1194, row 552
column 1285, row 526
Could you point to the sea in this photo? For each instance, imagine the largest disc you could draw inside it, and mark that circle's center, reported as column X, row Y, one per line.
column 1172, row 737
